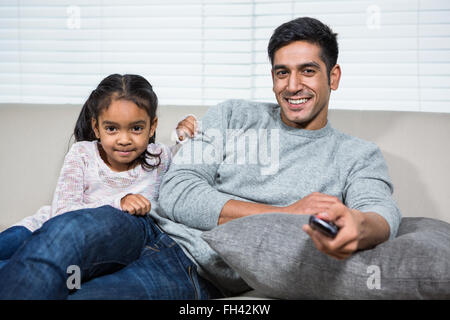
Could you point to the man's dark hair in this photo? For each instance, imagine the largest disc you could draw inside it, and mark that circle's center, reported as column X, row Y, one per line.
column 310, row 30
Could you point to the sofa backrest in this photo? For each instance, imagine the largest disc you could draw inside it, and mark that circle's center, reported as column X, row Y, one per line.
column 415, row 146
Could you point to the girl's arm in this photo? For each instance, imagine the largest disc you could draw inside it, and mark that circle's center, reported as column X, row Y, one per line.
column 186, row 129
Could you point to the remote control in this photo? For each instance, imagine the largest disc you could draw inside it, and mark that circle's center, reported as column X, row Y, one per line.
column 327, row 228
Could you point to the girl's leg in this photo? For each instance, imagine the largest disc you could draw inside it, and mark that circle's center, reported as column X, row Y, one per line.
column 96, row 241
column 11, row 239
column 162, row 271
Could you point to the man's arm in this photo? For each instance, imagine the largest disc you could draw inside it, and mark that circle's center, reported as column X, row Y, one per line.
column 314, row 203
column 235, row 209
column 369, row 189
column 374, row 230
column 187, row 194
column 368, row 216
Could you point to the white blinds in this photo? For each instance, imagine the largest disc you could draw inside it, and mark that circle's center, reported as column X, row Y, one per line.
column 395, row 54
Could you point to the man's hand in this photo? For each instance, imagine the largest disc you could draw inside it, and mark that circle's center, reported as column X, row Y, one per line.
column 311, row 204
column 330, row 208
column 186, row 128
column 135, row 204
column 347, row 240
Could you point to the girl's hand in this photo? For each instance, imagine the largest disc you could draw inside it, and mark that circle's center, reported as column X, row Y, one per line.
column 135, row 204
column 186, row 128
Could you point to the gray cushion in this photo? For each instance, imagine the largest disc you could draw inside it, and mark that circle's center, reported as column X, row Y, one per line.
column 277, row 258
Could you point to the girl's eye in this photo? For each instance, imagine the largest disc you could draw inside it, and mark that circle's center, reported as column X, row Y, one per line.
column 110, row 129
column 138, row 128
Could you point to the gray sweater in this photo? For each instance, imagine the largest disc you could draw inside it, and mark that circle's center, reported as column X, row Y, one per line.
column 245, row 152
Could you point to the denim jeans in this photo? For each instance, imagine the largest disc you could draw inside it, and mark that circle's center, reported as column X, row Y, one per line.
column 118, row 255
column 10, row 240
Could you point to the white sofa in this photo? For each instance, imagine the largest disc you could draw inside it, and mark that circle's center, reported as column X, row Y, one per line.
column 35, row 139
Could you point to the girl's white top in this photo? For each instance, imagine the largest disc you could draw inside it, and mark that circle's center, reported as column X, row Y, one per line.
column 86, row 181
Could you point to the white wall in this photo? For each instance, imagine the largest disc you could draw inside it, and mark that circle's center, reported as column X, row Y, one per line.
column 395, row 54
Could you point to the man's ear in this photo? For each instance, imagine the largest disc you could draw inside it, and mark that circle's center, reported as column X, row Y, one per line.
column 335, row 77
column 153, row 126
column 95, row 128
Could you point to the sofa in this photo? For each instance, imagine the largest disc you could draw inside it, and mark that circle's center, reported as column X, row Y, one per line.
column 415, row 145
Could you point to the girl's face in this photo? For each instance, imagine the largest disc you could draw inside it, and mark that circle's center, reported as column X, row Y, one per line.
column 124, row 130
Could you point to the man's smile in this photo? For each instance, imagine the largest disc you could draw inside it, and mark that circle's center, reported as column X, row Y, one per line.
column 297, row 103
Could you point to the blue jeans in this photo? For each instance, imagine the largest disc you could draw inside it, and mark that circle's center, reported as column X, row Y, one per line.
column 10, row 240
column 119, row 256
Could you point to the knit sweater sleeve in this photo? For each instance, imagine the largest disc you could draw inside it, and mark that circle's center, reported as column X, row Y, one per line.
column 369, row 187
column 187, row 192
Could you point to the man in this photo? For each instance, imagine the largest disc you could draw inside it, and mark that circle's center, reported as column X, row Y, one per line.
column 319, row 170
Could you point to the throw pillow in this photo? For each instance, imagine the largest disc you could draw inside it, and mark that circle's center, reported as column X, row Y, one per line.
column 277, row 258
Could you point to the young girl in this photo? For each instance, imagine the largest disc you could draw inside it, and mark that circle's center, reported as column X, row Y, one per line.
column 115, row 160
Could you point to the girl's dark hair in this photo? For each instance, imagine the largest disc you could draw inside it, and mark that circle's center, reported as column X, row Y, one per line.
column 129, row 87
column 310, row 30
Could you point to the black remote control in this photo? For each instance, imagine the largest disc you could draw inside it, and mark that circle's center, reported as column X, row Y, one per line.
column 327, row 228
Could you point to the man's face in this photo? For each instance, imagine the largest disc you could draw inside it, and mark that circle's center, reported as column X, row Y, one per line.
column 301, row 86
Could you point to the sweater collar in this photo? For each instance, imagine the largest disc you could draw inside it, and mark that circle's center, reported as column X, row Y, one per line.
column 304, row 132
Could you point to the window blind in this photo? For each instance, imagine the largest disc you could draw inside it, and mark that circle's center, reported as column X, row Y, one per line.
column 395, row 55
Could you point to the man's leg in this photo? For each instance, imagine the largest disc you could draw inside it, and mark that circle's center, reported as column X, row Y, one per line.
column 162, row 272
column 94, row 240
